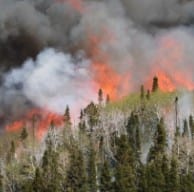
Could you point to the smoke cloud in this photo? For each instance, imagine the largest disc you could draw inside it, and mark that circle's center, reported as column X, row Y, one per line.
column 49, row 49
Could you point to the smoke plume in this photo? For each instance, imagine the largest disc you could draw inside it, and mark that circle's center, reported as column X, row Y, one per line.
column 59, row 52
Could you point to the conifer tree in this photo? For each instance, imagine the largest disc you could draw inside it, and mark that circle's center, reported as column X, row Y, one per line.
column 155, row 177
column 142, row 92
column 141, row 179
column 100, row 96
column 76, row 174
column 148, row 95
column 24, row 134
column 105, row 178
column 125, row 173
column 38, row 183
column 185, row 128
column 67, row 117
column 160, row 144
column 92, row 186
column 155, row 84
column 173, row 178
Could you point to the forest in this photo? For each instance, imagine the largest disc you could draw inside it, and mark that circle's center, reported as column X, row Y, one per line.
column 117, row 146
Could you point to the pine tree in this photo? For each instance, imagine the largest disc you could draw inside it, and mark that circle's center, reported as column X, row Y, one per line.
column 92, row 186
column 141, row 179
column 100, row 96
column 185, row 128
column 160, row 143
column 38, row 183
column 125, row 173
column 76, row 174
column 105, row 178
column 191, row 125
column 142, row 92
column 24, row 134
column 148, row 95
column 155, row 177
column 67, row 117
column 155, row 84
column 173, row 178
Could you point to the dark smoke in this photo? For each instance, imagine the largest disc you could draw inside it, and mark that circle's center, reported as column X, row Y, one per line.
column 29, row 26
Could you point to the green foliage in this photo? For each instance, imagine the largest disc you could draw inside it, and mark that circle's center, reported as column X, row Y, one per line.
column 91, row 171
column 102, row 154
column 124, row 173
column 76, row 173
column 160, row 141
column 105, row 178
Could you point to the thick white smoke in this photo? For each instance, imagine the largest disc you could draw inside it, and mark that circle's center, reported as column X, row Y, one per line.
column 55, row 80
column 139, row 38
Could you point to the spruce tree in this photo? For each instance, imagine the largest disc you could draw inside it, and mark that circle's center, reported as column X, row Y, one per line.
column 160, row 143
column 24, row 134
column 100, row 96
column 155, row 177
column 67, row 117
column 185, row 128
column 91, row 172
column 191, row 125
column 155, row 84
column 148, row 95
column 38, row 183
column 105, row 178
column 173, row 177
column 125, row 173
column 76, row 174
column 142, row 95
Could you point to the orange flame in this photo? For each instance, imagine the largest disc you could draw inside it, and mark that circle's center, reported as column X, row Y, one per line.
column 111, row 82
column 167, row 62
column 41, row 120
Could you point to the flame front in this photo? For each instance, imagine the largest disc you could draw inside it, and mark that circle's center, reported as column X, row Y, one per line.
column 37, row 119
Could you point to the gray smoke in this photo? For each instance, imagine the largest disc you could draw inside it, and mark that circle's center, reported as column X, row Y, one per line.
column 134, row 34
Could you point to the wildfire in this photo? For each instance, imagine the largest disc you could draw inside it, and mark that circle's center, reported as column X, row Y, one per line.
column 105, row 76
column 168, row 66
column 40, row 121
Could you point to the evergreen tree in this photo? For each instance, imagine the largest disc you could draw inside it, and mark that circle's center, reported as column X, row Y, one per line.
column 155, row 84
column 191, row 125
column 38, row 183
column 76, row 174
column 173, row 178
column 125, row 173
column 67, row 117
column 148, row 95
column 142, row 92
column 155, row 177
column 185, row 128
column 187, row 183
column 141, row 179
column 92, row 186
column 159, row 145
column 105, row 178
column 100, row 96
column 24, row 134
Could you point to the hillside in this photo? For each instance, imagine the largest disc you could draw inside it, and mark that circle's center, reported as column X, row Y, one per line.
column 130, row 145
